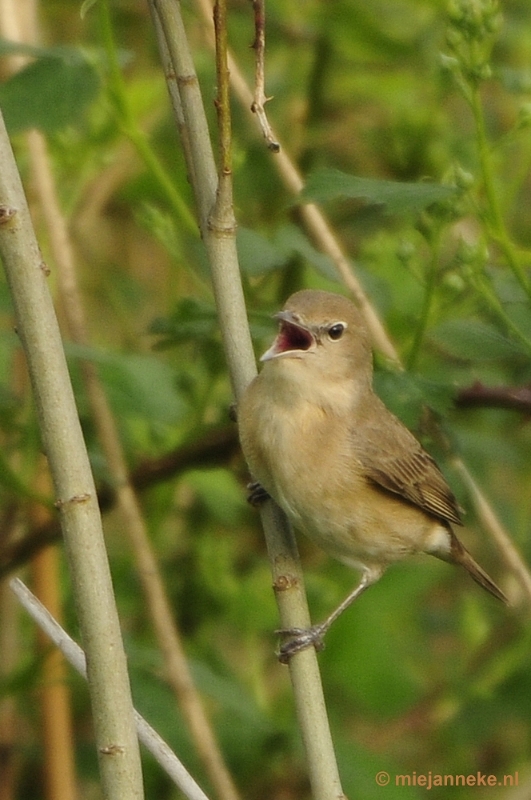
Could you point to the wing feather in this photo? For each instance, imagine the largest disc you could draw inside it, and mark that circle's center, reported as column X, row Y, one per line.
column 394, row 460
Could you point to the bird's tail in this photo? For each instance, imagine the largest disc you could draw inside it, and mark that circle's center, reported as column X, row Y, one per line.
column 460, row 555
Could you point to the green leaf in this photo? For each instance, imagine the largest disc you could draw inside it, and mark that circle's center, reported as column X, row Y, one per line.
column 192, row 319
column 258, row 255
column 50, row 93
column 137, row 384
column 289, row 236
column 472, row 340
column 162, row 227
column 406, row 394
column 395, row 197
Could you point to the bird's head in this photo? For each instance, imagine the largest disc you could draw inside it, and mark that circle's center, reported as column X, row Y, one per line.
column 321, row 336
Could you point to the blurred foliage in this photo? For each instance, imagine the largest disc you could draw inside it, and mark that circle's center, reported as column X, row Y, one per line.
column 426, row 672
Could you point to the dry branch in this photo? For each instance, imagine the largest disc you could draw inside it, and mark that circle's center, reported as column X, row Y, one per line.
column 517, row 398
column 260, row 98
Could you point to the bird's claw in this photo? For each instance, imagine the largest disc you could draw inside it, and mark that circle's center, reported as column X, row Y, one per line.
column 300, row 639
column 257, row 494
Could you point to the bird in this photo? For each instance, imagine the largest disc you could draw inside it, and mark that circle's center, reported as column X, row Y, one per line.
column 345, row 470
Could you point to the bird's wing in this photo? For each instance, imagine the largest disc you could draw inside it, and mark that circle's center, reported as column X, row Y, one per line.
column 393, row 459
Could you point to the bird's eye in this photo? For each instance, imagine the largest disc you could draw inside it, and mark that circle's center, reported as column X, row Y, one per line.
column 336, row 331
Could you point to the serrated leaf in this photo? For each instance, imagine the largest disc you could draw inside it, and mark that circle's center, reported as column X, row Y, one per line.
column 49, row 94
column 258, row 255
column 394, row 196
column 473, row 340
column 162, row 227
column 406, row 394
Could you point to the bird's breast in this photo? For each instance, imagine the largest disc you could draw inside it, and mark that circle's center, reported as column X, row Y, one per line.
column 299, row 452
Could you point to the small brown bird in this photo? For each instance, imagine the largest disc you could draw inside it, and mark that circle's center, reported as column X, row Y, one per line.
column 344, row 469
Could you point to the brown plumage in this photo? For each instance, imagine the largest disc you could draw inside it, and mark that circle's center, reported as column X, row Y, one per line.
column 344, row 469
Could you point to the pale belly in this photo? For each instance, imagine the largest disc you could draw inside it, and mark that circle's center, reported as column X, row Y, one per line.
column 372, row 528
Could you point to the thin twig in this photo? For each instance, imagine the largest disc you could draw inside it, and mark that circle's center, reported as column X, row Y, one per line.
column 151, row 740
column 74, row 489
column 173, row 89
column 260, row 98
column 223, row 98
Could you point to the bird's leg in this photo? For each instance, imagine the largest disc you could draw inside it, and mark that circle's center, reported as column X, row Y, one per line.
column 257, row 494
column 301, row 638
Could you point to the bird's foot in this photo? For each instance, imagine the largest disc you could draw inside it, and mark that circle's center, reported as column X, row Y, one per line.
column 300, row 639
column 257, row 494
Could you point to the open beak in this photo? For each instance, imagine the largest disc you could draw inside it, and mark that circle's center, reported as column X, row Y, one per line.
column 293, row 338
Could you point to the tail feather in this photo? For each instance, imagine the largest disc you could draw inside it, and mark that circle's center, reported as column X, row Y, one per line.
column 460, row 555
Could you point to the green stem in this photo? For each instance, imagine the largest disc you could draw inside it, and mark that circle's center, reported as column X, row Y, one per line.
column 495, row 221
column 429, row 294
column 130, row 128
